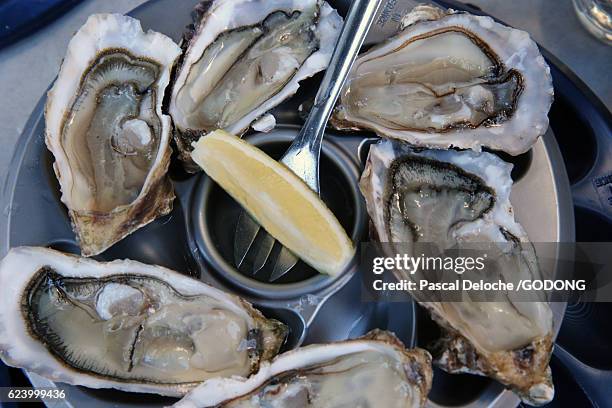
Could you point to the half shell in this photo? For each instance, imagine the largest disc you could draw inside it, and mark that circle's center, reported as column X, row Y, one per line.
column 372, row 371
column 438, row 200
column 243, row 58
column 125, row 325
column 451, row 79
column 106, row 130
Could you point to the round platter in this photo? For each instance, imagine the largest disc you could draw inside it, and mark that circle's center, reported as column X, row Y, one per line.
column 196, row 238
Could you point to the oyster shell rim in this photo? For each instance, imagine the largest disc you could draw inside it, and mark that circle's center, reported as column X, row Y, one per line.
column 430, row 18
column 19, row 347
column 157, row 193
column 462, row 356
column 315, row 63
column 218, row 391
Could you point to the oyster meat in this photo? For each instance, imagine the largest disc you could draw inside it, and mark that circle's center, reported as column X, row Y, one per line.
column 125, row 325
column 244, row 57
column 106, row 130
column 372, row 371
column 444, row 199
column 451, row 79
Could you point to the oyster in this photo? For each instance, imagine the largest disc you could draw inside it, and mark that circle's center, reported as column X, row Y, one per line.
column 105, row 128
column 372, row 371
column 451, row 79
column 244, row 57
column 447, row 199
column 124, row 324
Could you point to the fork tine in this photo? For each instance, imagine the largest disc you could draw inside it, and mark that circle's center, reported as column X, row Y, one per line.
column 285, row 261
column 264, row 248
column 246, row 231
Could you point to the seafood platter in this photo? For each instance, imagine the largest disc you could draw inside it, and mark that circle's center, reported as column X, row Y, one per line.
column 125, row 280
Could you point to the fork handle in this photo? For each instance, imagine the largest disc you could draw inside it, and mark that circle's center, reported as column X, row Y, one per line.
column 303, row 154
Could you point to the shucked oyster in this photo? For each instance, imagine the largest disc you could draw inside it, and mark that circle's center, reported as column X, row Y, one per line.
column 448, row 199
column 105, row 127
column 125, row 325
column 244, row 57
column 372, row 371
column 451, row 79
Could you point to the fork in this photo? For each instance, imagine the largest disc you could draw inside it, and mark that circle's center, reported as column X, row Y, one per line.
column 302, row 157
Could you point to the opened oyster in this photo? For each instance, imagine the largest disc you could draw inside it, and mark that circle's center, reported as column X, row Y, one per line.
column 451, row 79
column 372, row 371
column 105, row 127
column 448, row 199
column 124, row 324
column 244, row 57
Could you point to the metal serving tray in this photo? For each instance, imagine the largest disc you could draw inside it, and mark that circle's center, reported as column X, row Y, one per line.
column 196, row 238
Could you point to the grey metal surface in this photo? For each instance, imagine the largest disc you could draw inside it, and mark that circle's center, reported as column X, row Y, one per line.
column 316, row 308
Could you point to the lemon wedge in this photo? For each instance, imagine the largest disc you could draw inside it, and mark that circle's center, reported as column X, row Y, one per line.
column 278, row 199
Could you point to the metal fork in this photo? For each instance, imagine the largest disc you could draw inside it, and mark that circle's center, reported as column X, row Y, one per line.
column 302, row 157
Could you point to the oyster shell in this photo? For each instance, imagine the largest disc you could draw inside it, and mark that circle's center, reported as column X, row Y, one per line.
column 124, row 324
column 372, row 371
column 448, row 199
column 106, row 130
column 451, row 79
column 244, row 57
